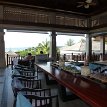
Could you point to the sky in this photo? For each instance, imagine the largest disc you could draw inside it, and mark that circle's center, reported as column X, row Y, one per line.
column 20, row 40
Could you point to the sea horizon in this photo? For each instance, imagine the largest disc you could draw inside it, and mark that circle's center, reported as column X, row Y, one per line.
column 15, row 49
column 19, row 49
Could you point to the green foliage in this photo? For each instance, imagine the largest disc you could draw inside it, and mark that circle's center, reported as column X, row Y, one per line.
column 83, row 40
column 26, row 51
column 70, row 42
column 43, row 46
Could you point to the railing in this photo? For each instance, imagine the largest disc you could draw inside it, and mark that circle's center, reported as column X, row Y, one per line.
column 9, row 59
column 70, row 57
column 74, row 57
column 82, row 57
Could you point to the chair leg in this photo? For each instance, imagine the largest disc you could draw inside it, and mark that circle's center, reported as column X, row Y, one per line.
column 14, row 103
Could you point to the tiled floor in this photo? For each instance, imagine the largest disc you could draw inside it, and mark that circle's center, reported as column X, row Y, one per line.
column 2, row 78
column 5, row 88
column 7, row 98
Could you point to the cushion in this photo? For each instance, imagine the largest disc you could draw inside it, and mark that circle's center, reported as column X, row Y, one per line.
column 16, row 83
column 22, row 101
column 41, row 58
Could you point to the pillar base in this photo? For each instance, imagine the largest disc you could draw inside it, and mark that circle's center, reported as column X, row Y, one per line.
column 2, row 64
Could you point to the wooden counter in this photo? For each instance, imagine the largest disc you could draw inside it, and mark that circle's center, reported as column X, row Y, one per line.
column 91, row 92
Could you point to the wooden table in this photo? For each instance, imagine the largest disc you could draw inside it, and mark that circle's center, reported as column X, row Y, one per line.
column 91, row 92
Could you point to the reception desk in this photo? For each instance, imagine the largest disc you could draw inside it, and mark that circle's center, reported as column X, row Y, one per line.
column 91, row 92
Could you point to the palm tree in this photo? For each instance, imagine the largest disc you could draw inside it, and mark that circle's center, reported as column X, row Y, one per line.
column 70, row 42
column 44, row 46
column 83, row 40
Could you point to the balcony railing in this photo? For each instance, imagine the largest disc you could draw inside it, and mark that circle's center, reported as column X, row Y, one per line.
column 82, row 57
column 68, row 57
column 9, row 59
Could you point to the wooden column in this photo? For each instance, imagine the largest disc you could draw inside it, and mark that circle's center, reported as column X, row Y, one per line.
column 88, row 48
column 2, row 49
column 102, row 46
column 53, row 50
column 1, row 13
column 88, row 54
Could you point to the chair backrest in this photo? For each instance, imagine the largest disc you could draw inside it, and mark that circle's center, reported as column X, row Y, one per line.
column 18, row 83
column 27, row 72
column 31, row 83
column 15, row 61
column 39, row 101
column 38, row 92
column 41, row 58
column 24, row 68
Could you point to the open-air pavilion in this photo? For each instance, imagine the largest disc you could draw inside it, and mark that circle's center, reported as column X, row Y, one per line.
column 78, row 17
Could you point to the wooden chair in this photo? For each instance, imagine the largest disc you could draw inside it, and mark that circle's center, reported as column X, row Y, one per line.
column 29, row 63
column 39, row 101
column 38, row 92
column 30, row 83
column 26, row 72
column 21, row 67
column 18, row 83
column 41, row 58
column 23, row 76
column 24, row 68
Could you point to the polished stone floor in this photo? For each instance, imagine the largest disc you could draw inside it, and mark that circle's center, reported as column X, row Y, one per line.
column 2, row 82
column 7, row 98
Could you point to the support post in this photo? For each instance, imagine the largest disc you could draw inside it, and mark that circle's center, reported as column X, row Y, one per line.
column 102, row 46
column 53, row 50
column 88, row 48
column 2, row 49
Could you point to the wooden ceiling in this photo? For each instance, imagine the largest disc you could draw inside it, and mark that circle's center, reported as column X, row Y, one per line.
column 65, row 5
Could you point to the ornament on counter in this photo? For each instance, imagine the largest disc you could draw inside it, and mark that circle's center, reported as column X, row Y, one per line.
column 101, row 58
column 85, row 70
column 61, row 62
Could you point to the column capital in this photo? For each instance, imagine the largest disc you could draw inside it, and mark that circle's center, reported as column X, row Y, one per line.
column 2, row 31
column 88, row 35
column 53, row 33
